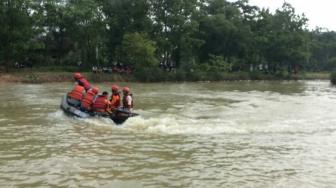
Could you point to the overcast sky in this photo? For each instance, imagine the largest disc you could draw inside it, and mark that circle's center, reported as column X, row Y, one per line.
column 319, row 12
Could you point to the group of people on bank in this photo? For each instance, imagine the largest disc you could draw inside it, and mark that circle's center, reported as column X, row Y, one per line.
column 88, row 99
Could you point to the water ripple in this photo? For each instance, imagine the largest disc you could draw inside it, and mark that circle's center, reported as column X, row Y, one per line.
column 239, row 134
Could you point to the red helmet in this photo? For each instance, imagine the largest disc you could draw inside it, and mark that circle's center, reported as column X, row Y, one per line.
column 77, row 75
column 95, row 90
column 126, row 90
column 115, row 88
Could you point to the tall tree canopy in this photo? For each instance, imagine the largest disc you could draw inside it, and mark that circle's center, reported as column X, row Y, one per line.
column 186, row 34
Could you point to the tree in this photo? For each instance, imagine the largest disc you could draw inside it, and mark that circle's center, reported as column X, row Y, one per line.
column 323, row 50
column 124, row 16
column 175, row 30
column 53, row 22
column 138, row 50
column 15, row 31
column 86, row 27
column 224, row 32
column 288, row 45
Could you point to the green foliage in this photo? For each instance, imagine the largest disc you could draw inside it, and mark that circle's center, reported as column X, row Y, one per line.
column 121, row 17
column 15, row 31
column 323, row 50
column 138, row 50
column 333, row 78
column 150, row 74
column 57, row 69
column 332, row 63
column 202, row 39
column 218, row 64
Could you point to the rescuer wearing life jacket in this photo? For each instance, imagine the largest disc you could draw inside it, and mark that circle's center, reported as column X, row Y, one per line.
column 80, row 80
column 76, row 95
column 88, row 98
column 101, row 104
column 115, row 97
column 127, row 99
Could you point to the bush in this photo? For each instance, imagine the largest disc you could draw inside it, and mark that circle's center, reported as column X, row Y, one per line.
column 333, row 77
column 196, row 75
column 150, row 74
column 180, row 75
column 138, row 50
column 59, row 68
column 255, row 75
column 219, row 64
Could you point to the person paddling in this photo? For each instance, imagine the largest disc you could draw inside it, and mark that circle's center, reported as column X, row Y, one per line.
column 80, row 80
column 127, row 99
column 115, row 97
column 88, row 98
column 101, row 104
column 76, row 95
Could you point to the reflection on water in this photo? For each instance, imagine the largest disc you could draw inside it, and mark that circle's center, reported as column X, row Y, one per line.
column 226, row 134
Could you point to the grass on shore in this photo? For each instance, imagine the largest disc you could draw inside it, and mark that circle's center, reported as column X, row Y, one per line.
column 316, row 76
column 37, row 76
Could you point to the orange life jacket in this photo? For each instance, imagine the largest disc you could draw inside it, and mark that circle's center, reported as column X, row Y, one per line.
column 115, row 100
column 100, row 104
column 87, row 100
column 83, row 82
column 77, row 93
column 125, row 102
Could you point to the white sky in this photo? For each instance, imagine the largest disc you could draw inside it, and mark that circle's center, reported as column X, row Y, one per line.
column 320, row 13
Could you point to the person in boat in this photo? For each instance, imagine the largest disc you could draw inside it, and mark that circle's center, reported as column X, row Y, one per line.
column 115, row 97
column 127, row 99
column 88, row 98
column 101, row 104
column 80, row 80
column 75, row 96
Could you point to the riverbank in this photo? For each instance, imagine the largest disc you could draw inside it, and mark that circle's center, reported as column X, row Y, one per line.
column 46, row 77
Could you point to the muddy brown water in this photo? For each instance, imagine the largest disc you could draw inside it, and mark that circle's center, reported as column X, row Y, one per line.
column 226, row 134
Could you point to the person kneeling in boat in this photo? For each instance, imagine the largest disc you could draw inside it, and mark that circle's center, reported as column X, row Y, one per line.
column 75, row 96
column 80, row 80
column 88, row 98
column 127, row 99
column 115, row 98
column 101, row 104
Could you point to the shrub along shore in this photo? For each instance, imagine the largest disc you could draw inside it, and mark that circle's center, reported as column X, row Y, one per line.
column 202, row 40
column 24, row 76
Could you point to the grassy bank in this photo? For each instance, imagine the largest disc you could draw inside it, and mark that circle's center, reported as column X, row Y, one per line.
column 31, row 76
column 46, row 77
column 316, row 76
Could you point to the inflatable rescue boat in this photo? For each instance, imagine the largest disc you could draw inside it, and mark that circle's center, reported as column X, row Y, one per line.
column 119, row 116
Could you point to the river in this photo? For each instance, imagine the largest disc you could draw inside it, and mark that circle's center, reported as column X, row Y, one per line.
column 225, row 134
